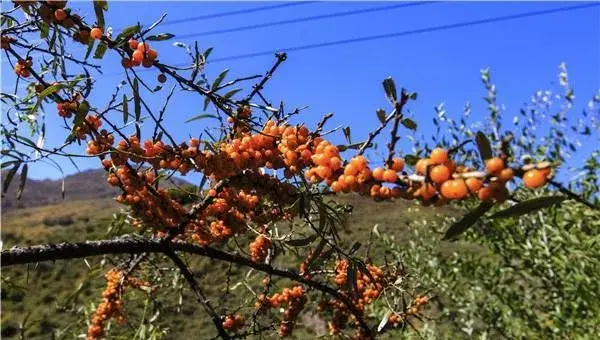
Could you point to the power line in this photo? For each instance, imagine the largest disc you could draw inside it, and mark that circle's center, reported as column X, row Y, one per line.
column 405, row 33
column 238, row 12
column 305, row 19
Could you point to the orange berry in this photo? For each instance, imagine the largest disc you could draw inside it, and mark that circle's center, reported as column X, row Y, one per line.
column 494, row 165
column 378, row 174
column 390, row 176
column 506, row 175
column 162, row 78
column 397, row 164
column 534, row 178
column 336, row 187
column 137, row 56
column 60, row 14
column 473, row 184
column 351, row 169
column 147, row 63
column 96, row 33
column 142, row 47
column 334, row 162
column 438, row 156
column 151, row 54
column 350, row 180
column 324, row 172
column 133, row 44
column 439, row 174
column 485, row 194
column 421, row 166
column 454, row 189
column 427, row 191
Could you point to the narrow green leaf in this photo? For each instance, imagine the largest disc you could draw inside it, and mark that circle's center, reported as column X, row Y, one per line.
column 483, row 144
column 100, row 51
column 8, row 163
column 99, row 7
column 413, row 96
column 125, row 110
column 202, row 116
column 136, row 100
column 411, row 159
column 49, row 90
column 160, row 37
column 381, row 115
column 9, row 176
column 207, row 52
column 23, row 180
column 467, row 221
column 390, row 90
column 44, row 30
column 219, row 79
column 302, row 242
column 206, row 102
column 129, row 31
column 409, row 124
column 89, row 49
column 231, row 93
column 351, row 279
column 529, row 206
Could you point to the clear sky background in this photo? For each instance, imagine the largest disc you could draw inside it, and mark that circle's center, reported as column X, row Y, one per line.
column 442, row 66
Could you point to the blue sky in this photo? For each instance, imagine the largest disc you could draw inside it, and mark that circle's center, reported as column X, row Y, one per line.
column 441, row 66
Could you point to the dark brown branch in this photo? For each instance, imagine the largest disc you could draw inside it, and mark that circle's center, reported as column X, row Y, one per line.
column 204, row 301
column 394, row 133
column 374, row 134
column 573, row 195
column 64, row 251
column 281, row 57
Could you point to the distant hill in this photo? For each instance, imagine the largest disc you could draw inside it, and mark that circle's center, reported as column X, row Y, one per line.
column 83, row 185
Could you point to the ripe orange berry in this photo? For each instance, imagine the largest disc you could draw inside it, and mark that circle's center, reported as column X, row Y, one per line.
column 336, row 187
column 378, row 174
column 506, row 175
column 96, row 33
column 473, row 184
column 438, row 156
column 485, row 194
column 439, row 174
column 60, row 14
column 143, row 47
column 427, row 191
column 133, row 44
column 397, row 164
column 534, row 178
column 421, row 166
column 350, row 180
column 494, row 165
column 162, row 78
column 334, row 162
column 390, row 176
column 454, row 189
column 147, row 63
column 137, row 56
column 151, row 54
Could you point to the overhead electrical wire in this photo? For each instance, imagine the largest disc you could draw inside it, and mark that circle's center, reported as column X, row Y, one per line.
column 305, row 19
column 406, row 33
column 238, row 12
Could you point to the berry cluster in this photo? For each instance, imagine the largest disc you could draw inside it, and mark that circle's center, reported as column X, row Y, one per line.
column 295, row 299
column 67, row 108
column 233, row 322
column 368, row 288
column 112, row 305
column 23, row 67
column 142, row 55
column 259, row 248
column 5, row 42
column 91, row 123
column 54, row 12
column 154, row 206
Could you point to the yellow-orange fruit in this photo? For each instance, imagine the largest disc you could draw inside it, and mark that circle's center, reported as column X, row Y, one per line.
column 454, row 189
column 473, row 184
column 439, row 174
column 96, row 33
column 485, row 194
column 378, row 174
column 390, row 176
column 397, row 164
column 494, row 165
column 534, row 178
column 438, row 156
column 506, row 175
column 421, row 166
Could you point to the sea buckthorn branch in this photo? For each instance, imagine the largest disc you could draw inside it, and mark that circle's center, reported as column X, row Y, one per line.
column 200, row 296
column 65, row 251
column 281, row 57
column 56, row 54
column 394, row 137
